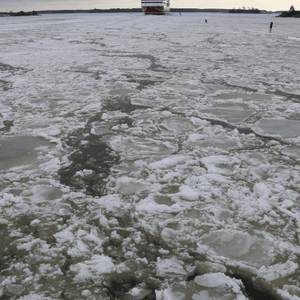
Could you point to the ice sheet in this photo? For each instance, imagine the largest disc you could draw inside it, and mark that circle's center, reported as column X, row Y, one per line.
column 279, row 127
column 149, row 157
column 240, row 246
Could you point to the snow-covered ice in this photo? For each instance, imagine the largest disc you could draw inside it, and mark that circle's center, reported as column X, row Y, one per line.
column 149, row 157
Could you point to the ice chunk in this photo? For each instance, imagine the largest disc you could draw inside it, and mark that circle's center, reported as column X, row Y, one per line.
column 35, row 297
column 219, row 286
column 232, row 114
column 214, row 280
column 110, row 202
column 218, row 164
column 123, row 92
column 137, row 147
column 8, row 198
column 14, row 289
column 217, row 142
column 98, row 265
column 139, row 293
column 188, row 193
column 281, row 127
column 210, row 286
column 169, row 234
column 49, row 93
column 179, row 125
column 100, row 129
column 239, row 96
column 290, row 292
column 170, row 267
column 199, row 122
column 3, row 222
column 240, row 246
column 279, row 270
column 130, row 186
column 209, row 267
column 42, row 193
column 292, row 151
column 262, row 190
column 86, row 293
column 149, row 205
column 170, row 294
column 217, row 295
column 21, row 150
column 170, row 161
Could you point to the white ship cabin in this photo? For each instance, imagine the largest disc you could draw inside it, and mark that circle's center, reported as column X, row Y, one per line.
column 155, row 6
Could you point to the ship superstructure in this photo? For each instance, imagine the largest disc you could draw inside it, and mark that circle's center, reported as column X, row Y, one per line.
column 156, row 7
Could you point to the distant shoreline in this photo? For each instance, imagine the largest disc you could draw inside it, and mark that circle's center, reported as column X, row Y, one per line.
column 290, row 14
column 126, row 10
column 22, row 13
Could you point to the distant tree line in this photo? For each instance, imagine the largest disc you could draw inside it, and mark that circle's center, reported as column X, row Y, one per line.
column 22, row 13
column 212, row 10
column 133, row 10
column 115, row 10
column 63, row 11
column 245, row 11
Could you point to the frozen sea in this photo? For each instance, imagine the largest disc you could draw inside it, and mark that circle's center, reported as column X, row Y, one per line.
column 149, row 157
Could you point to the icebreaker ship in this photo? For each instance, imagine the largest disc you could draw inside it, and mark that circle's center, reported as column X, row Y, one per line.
column 156, row 7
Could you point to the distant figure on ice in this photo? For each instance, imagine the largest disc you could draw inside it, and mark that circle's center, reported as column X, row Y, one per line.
column 205, row 21
column 271, row 26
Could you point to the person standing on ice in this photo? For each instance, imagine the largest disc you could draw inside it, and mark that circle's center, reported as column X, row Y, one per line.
column 271, row 26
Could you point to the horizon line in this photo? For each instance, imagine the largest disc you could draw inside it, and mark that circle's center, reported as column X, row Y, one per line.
column 138, row 8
